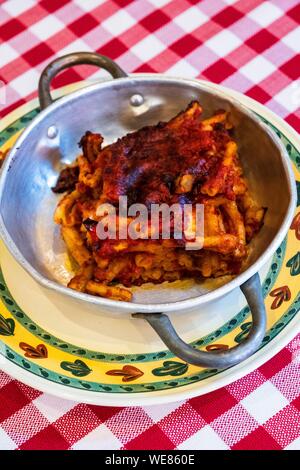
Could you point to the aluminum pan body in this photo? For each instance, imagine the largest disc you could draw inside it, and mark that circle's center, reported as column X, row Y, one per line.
column 35, row 161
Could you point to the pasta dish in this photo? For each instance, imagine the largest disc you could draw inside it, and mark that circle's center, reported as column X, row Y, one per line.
column 186, row 160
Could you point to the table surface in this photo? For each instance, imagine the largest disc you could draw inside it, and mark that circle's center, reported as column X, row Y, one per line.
column 249, row 45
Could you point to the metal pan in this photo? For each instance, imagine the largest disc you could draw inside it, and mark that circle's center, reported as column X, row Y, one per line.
column 115, row 108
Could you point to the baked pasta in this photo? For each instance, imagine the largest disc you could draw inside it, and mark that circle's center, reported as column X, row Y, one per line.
column 185, row 161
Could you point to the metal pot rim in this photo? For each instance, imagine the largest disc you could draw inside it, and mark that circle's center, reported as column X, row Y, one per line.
column 165, row 307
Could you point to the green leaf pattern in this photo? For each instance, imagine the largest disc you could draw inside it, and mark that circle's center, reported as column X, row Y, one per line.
column 77, row 368
column 173, row 368
column 294, row 264
column 7, row 326
column 246, row 327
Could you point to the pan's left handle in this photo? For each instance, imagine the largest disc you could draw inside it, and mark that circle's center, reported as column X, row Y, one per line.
column 69, row 60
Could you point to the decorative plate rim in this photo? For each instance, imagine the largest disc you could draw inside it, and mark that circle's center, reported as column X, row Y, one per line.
column 156, row 396
column 18, row 313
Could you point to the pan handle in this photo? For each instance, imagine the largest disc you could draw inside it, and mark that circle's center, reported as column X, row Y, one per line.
column 216, row 359
column 66, row 61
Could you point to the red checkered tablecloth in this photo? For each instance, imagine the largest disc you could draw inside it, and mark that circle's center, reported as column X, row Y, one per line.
column 249, row 45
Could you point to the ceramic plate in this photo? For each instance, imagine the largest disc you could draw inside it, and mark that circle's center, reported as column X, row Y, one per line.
column 53, row 345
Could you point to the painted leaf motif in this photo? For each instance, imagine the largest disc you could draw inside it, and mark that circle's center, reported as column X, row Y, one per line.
column 40, row 352
column 294, row 264
column 128, row 373
column 77, row 368
column 246, row 327
column 296, row 225
column 298, row 192
column 281, row 294
column 217, row 347
column 7, row 326
column 173, row 368
column 289, row 148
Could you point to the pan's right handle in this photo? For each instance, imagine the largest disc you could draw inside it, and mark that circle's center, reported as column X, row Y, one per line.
column 66, row 61
column 216, row 359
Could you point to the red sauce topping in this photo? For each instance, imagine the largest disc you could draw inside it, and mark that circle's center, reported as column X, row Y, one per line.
column 144, row 165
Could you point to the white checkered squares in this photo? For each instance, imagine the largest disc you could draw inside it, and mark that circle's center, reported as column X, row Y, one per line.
column 295, row 445
column 118, row 23
column 26, row 83
column 158, row 412
column 223, row 43
column 159, row 3
column 292, row 40
column 190, row 19
column 75, row 46
column 289, row 97
column 257, row 69
column 205, row 439
column 99, row 439
column 6, row 443
column 52, row 407
column 183, row 69
column 264, row 402
column 7, row 54
column 265, row 14
column 16, row 7
column 47, row 27
column 88, row 5
column 148, row 48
